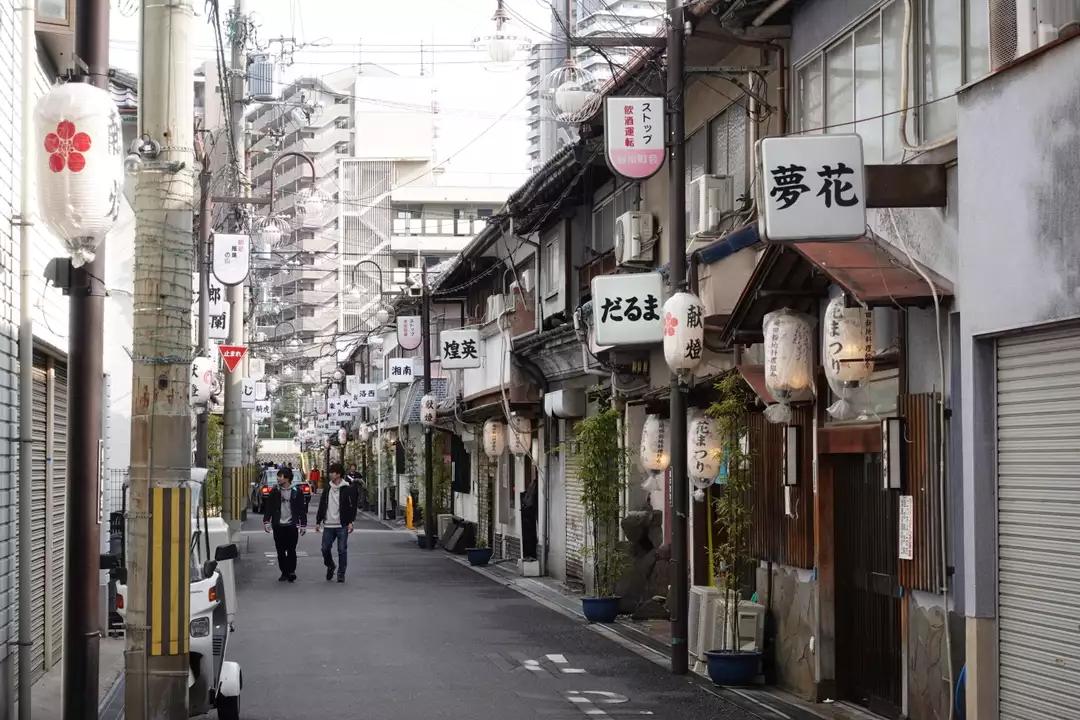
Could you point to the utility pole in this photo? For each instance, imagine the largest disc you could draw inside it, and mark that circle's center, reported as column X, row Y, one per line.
column 202, row 258
column 676, row 237
column 158, row 601
column 429, row 475
column 235, row 429
column 86, row 329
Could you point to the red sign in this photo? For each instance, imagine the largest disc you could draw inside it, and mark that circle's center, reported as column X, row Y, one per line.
column 232, row 355
column 635, row 136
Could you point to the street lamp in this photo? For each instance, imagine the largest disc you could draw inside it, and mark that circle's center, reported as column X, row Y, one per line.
column 571, row 92
column 504, row 41
column 382, row 314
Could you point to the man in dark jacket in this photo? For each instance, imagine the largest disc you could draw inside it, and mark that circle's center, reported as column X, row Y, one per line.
column 285, row 513
column 335, row 516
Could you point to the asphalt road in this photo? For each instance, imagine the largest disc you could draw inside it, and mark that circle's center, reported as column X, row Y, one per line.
column 413, row 635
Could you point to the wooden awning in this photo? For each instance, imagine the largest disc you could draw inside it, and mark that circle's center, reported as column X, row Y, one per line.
column 754, row 375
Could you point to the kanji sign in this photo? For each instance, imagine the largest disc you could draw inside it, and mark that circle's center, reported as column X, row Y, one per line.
column 262, row 409
column 366, row 394
column 247, row 394
column 218, row 308
column 231, row 258
column 459, row 349
column 256, row 368
column 409, row 335
column 260, row 390
column 814, row 188
column 232, row 355
column 627, row 308
column 400, row 370
column 634, row 135
column 351, row 383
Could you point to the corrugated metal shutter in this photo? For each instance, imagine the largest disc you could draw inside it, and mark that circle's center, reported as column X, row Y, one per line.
column 59, row 504
column 575, row 517
column 1038, row 475
column 39, row 519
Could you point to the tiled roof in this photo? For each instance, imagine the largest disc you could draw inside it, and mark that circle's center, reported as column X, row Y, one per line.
column 124, row 88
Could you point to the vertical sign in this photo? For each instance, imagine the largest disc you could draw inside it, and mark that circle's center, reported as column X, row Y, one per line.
column 907, row 534
column 634, row 136
column 248, row 394
column 218, row 310
column 408, row 332
column 352, row 382
column 231, row 258
column 256, row 368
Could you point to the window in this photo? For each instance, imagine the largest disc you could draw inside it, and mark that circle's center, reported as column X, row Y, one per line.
column 342, row 123
column 728, row 139
column 341, row 148
column 605, row 213
column 697, row 154
column 854, row 84
column 551, row 271
column 484, row 213
column 341, row 100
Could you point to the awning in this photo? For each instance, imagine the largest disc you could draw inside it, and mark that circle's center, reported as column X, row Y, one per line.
column 754, row 375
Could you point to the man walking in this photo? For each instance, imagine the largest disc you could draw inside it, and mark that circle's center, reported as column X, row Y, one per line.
column 285, row 514
column 356, row 480
column 335, row 516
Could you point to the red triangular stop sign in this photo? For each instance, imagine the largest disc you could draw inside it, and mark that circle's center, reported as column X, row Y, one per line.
column 232, row 355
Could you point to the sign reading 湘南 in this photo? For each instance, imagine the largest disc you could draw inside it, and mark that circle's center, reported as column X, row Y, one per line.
column 400, row 370
column 634, row 136
column 232, row 355
column 627, row 308
column 459, row 349
column 813, row 188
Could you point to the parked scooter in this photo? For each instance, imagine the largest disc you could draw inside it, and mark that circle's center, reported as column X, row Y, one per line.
column 213, row 681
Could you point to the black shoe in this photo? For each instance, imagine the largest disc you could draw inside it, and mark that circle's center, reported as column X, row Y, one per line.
column 292, row 578
column 341, row 578
column 329, row 574
column 283, row 577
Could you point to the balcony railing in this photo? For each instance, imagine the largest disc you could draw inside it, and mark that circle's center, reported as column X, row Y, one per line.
column 439, row 226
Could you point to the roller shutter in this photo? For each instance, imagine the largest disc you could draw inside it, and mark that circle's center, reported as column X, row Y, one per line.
column 39, row 515
column 575, row 518
column 58, row 509
column 1038, row 484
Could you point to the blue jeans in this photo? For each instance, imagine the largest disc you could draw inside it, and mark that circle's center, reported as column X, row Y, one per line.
column 341, row 534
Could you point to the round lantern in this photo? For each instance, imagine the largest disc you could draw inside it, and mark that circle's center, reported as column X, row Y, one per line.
column 847, row 354
column 655, row 444
column 789, row 365
column 202, row 380
column 427, row 410
column 702, row 448
column 326, row 442
column 519, row 435
column 80, row 172
column 365, row 432
column 494, row 438
column 342, row 436
column 684, row 332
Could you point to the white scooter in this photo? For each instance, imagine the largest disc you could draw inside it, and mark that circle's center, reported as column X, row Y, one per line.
column 213, row 681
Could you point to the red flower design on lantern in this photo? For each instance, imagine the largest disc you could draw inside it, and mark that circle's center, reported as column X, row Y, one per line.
column 66, row 147
column 670, row 323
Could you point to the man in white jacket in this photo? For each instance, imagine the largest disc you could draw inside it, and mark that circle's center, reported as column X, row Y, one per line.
column 337, row 511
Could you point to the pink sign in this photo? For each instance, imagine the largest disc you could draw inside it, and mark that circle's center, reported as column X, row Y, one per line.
column 635, row 136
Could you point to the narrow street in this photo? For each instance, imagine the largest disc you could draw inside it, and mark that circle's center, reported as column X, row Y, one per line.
column 414, row 635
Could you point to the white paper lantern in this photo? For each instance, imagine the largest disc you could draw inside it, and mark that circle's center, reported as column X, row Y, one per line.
column 684, row 332
column 702, row 449
column 494, row 438
column 789, row 365
column 848, row 344
column 342, row 436
column 655, row 444
column 427, row 410
column 519, row 435
column 202, row 380
column 365, row 433
column 80, row 169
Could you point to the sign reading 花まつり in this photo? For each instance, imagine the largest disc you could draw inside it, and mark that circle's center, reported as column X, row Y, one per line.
column 634, row 135
column 627, row 308
column 814, row 188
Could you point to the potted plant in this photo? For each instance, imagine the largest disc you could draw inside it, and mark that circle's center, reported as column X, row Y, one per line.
column 481, row 554
column 730, row 665
column 601, row 461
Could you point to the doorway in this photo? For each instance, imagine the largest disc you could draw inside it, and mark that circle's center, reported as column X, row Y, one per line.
column 869, row 660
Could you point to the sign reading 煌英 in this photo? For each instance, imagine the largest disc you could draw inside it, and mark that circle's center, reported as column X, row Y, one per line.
column 459, row 349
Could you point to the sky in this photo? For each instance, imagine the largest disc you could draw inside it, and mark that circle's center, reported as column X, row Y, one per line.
column 481, row 126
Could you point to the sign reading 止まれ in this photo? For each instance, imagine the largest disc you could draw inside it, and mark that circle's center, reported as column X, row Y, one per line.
column 634, row 136
column 627, row 308
column 814, row 188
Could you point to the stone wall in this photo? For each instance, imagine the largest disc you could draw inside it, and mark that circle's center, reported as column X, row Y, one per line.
column 790, row 625
column 928, row 690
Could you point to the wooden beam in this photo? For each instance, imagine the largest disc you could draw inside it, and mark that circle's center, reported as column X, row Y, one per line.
column 906, row 186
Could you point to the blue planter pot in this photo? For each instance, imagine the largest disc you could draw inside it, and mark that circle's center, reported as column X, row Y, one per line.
column 732, row 669
column 601, row 610
column 478, row 556
column 422, row 541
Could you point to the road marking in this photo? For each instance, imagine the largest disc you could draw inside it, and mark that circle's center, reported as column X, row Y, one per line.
column 560, row 661
column 587, row 701
column 299, row 554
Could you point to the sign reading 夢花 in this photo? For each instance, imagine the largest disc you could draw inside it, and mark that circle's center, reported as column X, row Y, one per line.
column 459, row 349
column 814, row 188
column 634, row 136
column 627, row 308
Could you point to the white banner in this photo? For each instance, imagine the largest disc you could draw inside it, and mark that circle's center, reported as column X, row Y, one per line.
column 260, row 391
column 459, row 349
column 217, row 308
column 351, row 383
column 262, row 409
column 409, row 333
column 202, row 380
column 248, row 394
column 231, row 258
column 256, row 368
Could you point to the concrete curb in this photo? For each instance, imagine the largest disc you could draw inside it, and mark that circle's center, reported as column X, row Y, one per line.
column 111, row 706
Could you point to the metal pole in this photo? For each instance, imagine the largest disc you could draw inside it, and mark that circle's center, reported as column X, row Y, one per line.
column 82, row 626
column 206, row 209
column 378, row 459
column 165, row 251
column 429, row 475
column 233, row 431
column 26, row 380
column 676, row 236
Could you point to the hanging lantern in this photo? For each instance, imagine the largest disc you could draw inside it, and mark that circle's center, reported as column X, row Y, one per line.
column 702, row 448
column 684, row 332
column 365, row 433
column 342, row 436
column 655, row 444
column 312, row 207
column 326, row 442
column 789, row 365
column 427, row 410
column 519, row 435
column 202, row 380
column 494, row 438
column 847, row 351
column 80, row 171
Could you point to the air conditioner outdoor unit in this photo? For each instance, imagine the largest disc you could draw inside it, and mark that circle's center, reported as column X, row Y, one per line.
column 749, row 625
column 700, row 617
column 710, row 198
column 1018, row 27
column 634, row 237
column 495, row 306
